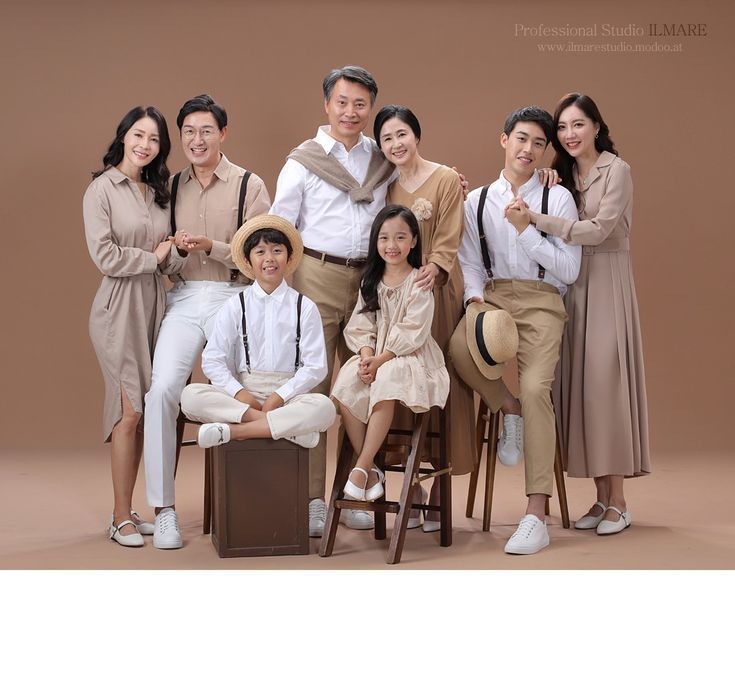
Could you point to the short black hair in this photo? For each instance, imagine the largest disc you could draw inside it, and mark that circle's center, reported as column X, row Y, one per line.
column 354, row 74
column 267, row 235
column 535, row 114
column 202, row 103
column 400, row 112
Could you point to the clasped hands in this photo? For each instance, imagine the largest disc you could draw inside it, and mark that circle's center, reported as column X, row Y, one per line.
column 369, row 364
column 272, row 402
column 188, row 242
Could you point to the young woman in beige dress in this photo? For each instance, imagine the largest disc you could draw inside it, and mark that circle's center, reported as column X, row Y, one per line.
column 434, row 194
column 600, row 393
column 126, row 223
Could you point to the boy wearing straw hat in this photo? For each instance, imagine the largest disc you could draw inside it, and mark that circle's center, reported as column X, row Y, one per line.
column 507, row 264
column 266, row 351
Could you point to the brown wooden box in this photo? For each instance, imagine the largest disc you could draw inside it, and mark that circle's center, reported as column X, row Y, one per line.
column 260, row 494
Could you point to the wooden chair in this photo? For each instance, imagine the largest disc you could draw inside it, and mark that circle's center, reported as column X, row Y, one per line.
column 181, row 423
column 410, row 466
column 488, row 424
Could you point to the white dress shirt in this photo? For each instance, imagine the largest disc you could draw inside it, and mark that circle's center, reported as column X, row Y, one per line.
column 271, row 329
column 517, row 256
column 328, row 220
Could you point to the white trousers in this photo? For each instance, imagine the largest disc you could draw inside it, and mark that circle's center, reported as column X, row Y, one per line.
column 190, row 311
column 308, row 412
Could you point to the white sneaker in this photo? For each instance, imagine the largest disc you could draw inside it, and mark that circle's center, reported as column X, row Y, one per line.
column 212, row 434
column 510, row 444
column 167, row 534
column 530, row 537
column 308, row 440
column 317, row 517
column 357, row 519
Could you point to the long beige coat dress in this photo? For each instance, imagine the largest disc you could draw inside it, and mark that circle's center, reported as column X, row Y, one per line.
column 123, row 228
column 600, row 391
column 441, row 226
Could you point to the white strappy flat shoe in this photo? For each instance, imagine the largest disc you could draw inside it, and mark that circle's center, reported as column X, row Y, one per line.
column 606, row 527
column 135, row 540
column 591, row 521
column 365, row 494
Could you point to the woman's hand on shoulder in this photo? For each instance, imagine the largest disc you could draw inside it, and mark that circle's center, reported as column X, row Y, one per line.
column 548, row 176
column 464, row 182
column 426, row 276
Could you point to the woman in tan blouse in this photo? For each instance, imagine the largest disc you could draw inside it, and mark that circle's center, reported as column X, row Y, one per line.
column 434, row 193
column 126, row 224
column 600, row 393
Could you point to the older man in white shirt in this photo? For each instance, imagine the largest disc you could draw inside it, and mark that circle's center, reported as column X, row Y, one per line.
column 332, row 194
column 508, row 264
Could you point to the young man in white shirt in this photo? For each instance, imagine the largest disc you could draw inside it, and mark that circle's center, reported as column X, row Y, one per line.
column 508, row 264
column 210, row 199
column 334, row 223
column 266, row 351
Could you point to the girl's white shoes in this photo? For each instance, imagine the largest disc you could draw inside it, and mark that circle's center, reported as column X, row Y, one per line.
column 135, row 539
column 591, row 521
column 366, row 494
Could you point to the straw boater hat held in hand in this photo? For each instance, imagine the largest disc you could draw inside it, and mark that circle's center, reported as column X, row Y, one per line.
column 258, row 223
column 492, row 338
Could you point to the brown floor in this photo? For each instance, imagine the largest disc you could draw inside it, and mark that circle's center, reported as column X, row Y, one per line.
column 55, row 508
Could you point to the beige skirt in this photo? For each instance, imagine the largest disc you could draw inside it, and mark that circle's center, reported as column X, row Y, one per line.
column 404, row 379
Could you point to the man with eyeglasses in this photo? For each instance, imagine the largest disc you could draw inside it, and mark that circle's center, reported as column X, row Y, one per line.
column 211, row 198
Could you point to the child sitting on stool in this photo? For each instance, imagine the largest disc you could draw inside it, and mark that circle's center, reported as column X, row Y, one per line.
column 397, row 359
column 266, row 351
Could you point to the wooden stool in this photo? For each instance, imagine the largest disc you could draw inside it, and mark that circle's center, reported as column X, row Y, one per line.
column 260, row 498
column 413, row 475
column 488, row 424
column 181, row 423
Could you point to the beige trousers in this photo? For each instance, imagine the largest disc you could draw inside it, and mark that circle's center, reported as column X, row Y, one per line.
column 309, row 412
column 538, row 311
column 334, row 289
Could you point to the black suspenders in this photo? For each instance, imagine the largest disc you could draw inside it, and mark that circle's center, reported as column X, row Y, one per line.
column 485, row 248
column 240, row 207
column 245, row 343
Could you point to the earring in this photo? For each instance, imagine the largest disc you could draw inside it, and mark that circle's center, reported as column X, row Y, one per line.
column 597, row 135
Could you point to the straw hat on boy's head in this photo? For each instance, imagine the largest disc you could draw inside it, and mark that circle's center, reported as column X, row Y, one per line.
column 259, row 223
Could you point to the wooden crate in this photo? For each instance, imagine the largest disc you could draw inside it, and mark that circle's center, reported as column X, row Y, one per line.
column 260, row 493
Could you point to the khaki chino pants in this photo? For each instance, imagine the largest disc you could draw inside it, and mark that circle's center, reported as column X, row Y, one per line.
column 538, row 311
column 308, row 412
column 334, row 289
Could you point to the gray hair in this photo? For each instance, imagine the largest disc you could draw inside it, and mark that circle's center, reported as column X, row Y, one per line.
column 354, row 74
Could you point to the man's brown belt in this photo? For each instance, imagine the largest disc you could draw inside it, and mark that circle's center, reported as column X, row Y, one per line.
column 353, row 263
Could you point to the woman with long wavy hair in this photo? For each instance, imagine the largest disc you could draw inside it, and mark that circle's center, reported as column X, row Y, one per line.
column 600, row 393
column 126, row 222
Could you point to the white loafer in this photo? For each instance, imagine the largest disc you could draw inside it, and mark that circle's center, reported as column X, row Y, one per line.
column 135, row 540
column 607, row 527
column 212, row 434
column 591, row 521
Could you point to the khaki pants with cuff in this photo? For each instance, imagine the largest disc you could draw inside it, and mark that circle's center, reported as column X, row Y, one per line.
column 334, row 289
column 538, row 311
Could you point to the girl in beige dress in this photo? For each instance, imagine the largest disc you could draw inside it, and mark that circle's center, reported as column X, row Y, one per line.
column 126, row 224
column 600, row 393
column 434, row 193
column 396, row 360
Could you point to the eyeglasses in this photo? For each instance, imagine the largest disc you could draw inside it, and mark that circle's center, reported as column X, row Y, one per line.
column 206, row 133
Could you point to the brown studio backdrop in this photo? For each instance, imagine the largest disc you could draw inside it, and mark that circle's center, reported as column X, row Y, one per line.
column 72, row 70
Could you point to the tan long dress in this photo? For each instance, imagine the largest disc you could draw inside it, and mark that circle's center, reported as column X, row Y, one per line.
column 600, row 391
column 441, row 234
column 123, row 227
